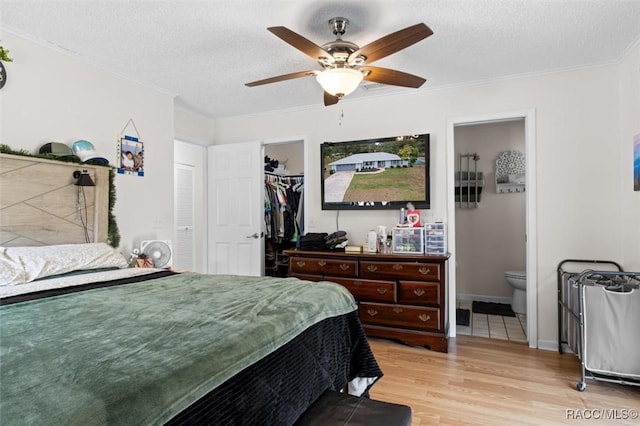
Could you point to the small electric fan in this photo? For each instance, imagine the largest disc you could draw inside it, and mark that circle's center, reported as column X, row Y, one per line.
column 159, row 251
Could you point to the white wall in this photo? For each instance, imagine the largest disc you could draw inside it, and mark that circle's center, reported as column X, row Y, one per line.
column 578, row 146
column 490, row 238
column 53, row 96
column 193, row 128
column 630, row 126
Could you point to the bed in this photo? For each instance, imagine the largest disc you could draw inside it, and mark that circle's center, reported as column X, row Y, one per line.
column 86, row 340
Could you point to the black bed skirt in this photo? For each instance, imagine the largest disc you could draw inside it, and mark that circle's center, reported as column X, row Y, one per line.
column 280, row 387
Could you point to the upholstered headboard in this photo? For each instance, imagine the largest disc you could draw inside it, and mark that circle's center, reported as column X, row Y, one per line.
column 39, row 202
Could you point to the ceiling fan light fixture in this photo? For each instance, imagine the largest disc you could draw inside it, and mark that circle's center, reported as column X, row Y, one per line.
column 345, row 64
column 339, row 81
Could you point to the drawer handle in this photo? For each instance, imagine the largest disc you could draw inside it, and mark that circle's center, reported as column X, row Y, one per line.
column 301, row 263
column 398, row 310
column 424, row 270
column 372, row 312
column 424, row 317
column 397, row 267
column 382, row 290
column 357, row 283
column 372, row 268
column 418, row 292
column 344, row 266
column 322, row 263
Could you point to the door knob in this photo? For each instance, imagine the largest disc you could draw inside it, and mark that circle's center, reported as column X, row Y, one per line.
column 256, row 235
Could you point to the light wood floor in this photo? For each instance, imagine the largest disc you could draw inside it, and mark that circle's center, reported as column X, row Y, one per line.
column 491, row 382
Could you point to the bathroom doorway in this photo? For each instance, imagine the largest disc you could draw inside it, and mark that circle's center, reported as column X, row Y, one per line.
column 490, row 229
column 526, row 120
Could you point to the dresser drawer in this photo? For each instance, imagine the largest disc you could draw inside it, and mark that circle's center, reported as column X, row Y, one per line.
column 400, row 296
column 419, row 293
column 400, row 270
column 326, row 267
column 412, row 317
column 368, row 290
column 307, row 277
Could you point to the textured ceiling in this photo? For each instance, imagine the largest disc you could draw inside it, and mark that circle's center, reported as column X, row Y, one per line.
column 204, row 51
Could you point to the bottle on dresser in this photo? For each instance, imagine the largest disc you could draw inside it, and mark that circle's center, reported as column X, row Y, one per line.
column 372, row 241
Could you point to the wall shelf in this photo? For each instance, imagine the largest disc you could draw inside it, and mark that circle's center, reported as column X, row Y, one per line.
column 510, row 172
column 468, row 184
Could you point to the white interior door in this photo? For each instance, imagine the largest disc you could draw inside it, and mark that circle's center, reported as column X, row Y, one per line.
column 236, row 210
column 183, row 253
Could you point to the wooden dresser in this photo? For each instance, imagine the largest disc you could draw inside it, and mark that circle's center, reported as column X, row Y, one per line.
column 400, row 297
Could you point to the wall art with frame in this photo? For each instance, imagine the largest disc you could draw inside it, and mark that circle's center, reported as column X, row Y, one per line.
column 130, row 156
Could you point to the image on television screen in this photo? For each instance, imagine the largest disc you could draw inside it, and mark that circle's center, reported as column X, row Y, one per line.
column 376, row 173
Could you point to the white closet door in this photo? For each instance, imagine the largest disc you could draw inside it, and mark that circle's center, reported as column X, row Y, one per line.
column 236, row 209
column 183, row 250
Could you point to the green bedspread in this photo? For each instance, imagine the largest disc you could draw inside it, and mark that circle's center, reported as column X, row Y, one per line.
column 141, row 353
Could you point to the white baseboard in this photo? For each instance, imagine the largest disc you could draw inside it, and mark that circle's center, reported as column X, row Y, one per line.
column 483, row 298
column 548, row 345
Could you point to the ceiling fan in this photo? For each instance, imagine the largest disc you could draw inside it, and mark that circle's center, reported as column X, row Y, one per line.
column 345, row 64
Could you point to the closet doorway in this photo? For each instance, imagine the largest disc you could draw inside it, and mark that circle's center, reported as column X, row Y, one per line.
column 189, row 240
column 284, row 201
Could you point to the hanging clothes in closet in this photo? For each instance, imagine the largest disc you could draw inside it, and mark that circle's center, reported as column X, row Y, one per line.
column 283, row 217
column 283, row 207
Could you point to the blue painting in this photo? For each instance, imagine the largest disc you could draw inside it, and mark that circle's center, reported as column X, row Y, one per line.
column 636, row 162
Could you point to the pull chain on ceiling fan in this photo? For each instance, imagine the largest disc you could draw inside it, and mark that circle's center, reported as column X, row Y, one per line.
column 345, row 64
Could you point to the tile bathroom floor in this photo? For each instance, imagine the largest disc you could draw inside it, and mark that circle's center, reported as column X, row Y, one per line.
column 512, row 329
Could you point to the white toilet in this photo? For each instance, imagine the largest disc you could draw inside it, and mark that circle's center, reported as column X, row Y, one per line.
column 518, row 280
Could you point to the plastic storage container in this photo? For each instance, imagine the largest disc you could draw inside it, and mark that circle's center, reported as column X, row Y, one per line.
column 408, row 240
column 435, row 238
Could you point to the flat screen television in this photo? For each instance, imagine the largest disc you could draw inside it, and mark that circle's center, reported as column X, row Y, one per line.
column 376, row 174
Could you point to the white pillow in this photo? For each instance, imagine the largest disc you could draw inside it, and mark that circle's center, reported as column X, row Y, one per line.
column 20, row 265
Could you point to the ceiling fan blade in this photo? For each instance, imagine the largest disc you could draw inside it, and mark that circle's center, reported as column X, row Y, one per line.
column 392, row 43
column 306, row 46
column 283, row 77
column 329, row 99
column 392, row 77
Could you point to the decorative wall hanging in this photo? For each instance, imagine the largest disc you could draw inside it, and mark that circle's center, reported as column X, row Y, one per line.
column 4, row 57
column 510, row 172
column 468, row 181
column 636, row 162
column 3, row 75
column 130, row 152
